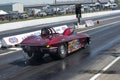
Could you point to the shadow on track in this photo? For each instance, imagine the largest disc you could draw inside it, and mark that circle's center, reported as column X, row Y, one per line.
column 80, row 54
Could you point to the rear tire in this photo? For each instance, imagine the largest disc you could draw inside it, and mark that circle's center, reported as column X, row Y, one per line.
column 32, row 56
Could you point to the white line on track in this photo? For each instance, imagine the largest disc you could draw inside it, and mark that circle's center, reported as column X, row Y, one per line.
column 107, row 18
column 107, row 67
column 7, row 53
column 16, row 49
column 99, row 27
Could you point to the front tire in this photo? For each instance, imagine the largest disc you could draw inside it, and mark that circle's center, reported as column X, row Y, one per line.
column 61, row 52
column 86, row 43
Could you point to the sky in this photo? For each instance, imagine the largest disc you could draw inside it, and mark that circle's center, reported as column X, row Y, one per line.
column 29, row 2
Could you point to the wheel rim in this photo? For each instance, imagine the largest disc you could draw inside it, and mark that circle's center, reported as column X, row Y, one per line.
column 62, row 49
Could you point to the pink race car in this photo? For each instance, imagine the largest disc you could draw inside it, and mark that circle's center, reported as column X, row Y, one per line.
column 57, row 45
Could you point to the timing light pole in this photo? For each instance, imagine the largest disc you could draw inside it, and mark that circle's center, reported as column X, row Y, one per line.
column 78, row 12
column 55, row 2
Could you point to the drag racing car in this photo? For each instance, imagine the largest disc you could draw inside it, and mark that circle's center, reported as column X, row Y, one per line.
column 57, row 45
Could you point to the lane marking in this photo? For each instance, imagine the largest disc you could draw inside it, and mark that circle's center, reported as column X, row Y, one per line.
column 98, row 27
column 2, row 54
column 5, row 53
column 107, row 67
column 108, row 18
column 17, row 49
column 114, row 61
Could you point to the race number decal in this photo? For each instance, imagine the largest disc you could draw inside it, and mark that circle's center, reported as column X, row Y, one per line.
column 73, row 45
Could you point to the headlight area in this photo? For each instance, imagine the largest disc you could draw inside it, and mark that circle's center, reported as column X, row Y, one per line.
column 52, row 49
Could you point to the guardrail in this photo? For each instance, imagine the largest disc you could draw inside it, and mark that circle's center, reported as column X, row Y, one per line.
column 14, row 40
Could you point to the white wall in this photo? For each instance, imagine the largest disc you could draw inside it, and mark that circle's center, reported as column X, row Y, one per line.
column 18, row 7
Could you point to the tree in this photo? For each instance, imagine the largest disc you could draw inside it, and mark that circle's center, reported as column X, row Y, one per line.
column 117, row 1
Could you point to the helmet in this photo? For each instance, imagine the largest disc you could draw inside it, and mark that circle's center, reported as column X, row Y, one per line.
column 44, row 32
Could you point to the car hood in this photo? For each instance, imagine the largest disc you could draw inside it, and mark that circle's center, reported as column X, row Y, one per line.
column 35, row 41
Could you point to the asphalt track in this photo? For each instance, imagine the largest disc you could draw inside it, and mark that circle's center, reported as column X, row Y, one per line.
column 91, row 63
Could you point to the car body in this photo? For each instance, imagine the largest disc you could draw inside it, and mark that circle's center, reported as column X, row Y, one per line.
column 13, row 15
column 23, row 15
column 57, row 45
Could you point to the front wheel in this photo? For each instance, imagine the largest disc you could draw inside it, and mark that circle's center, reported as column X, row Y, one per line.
column 61, row 52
